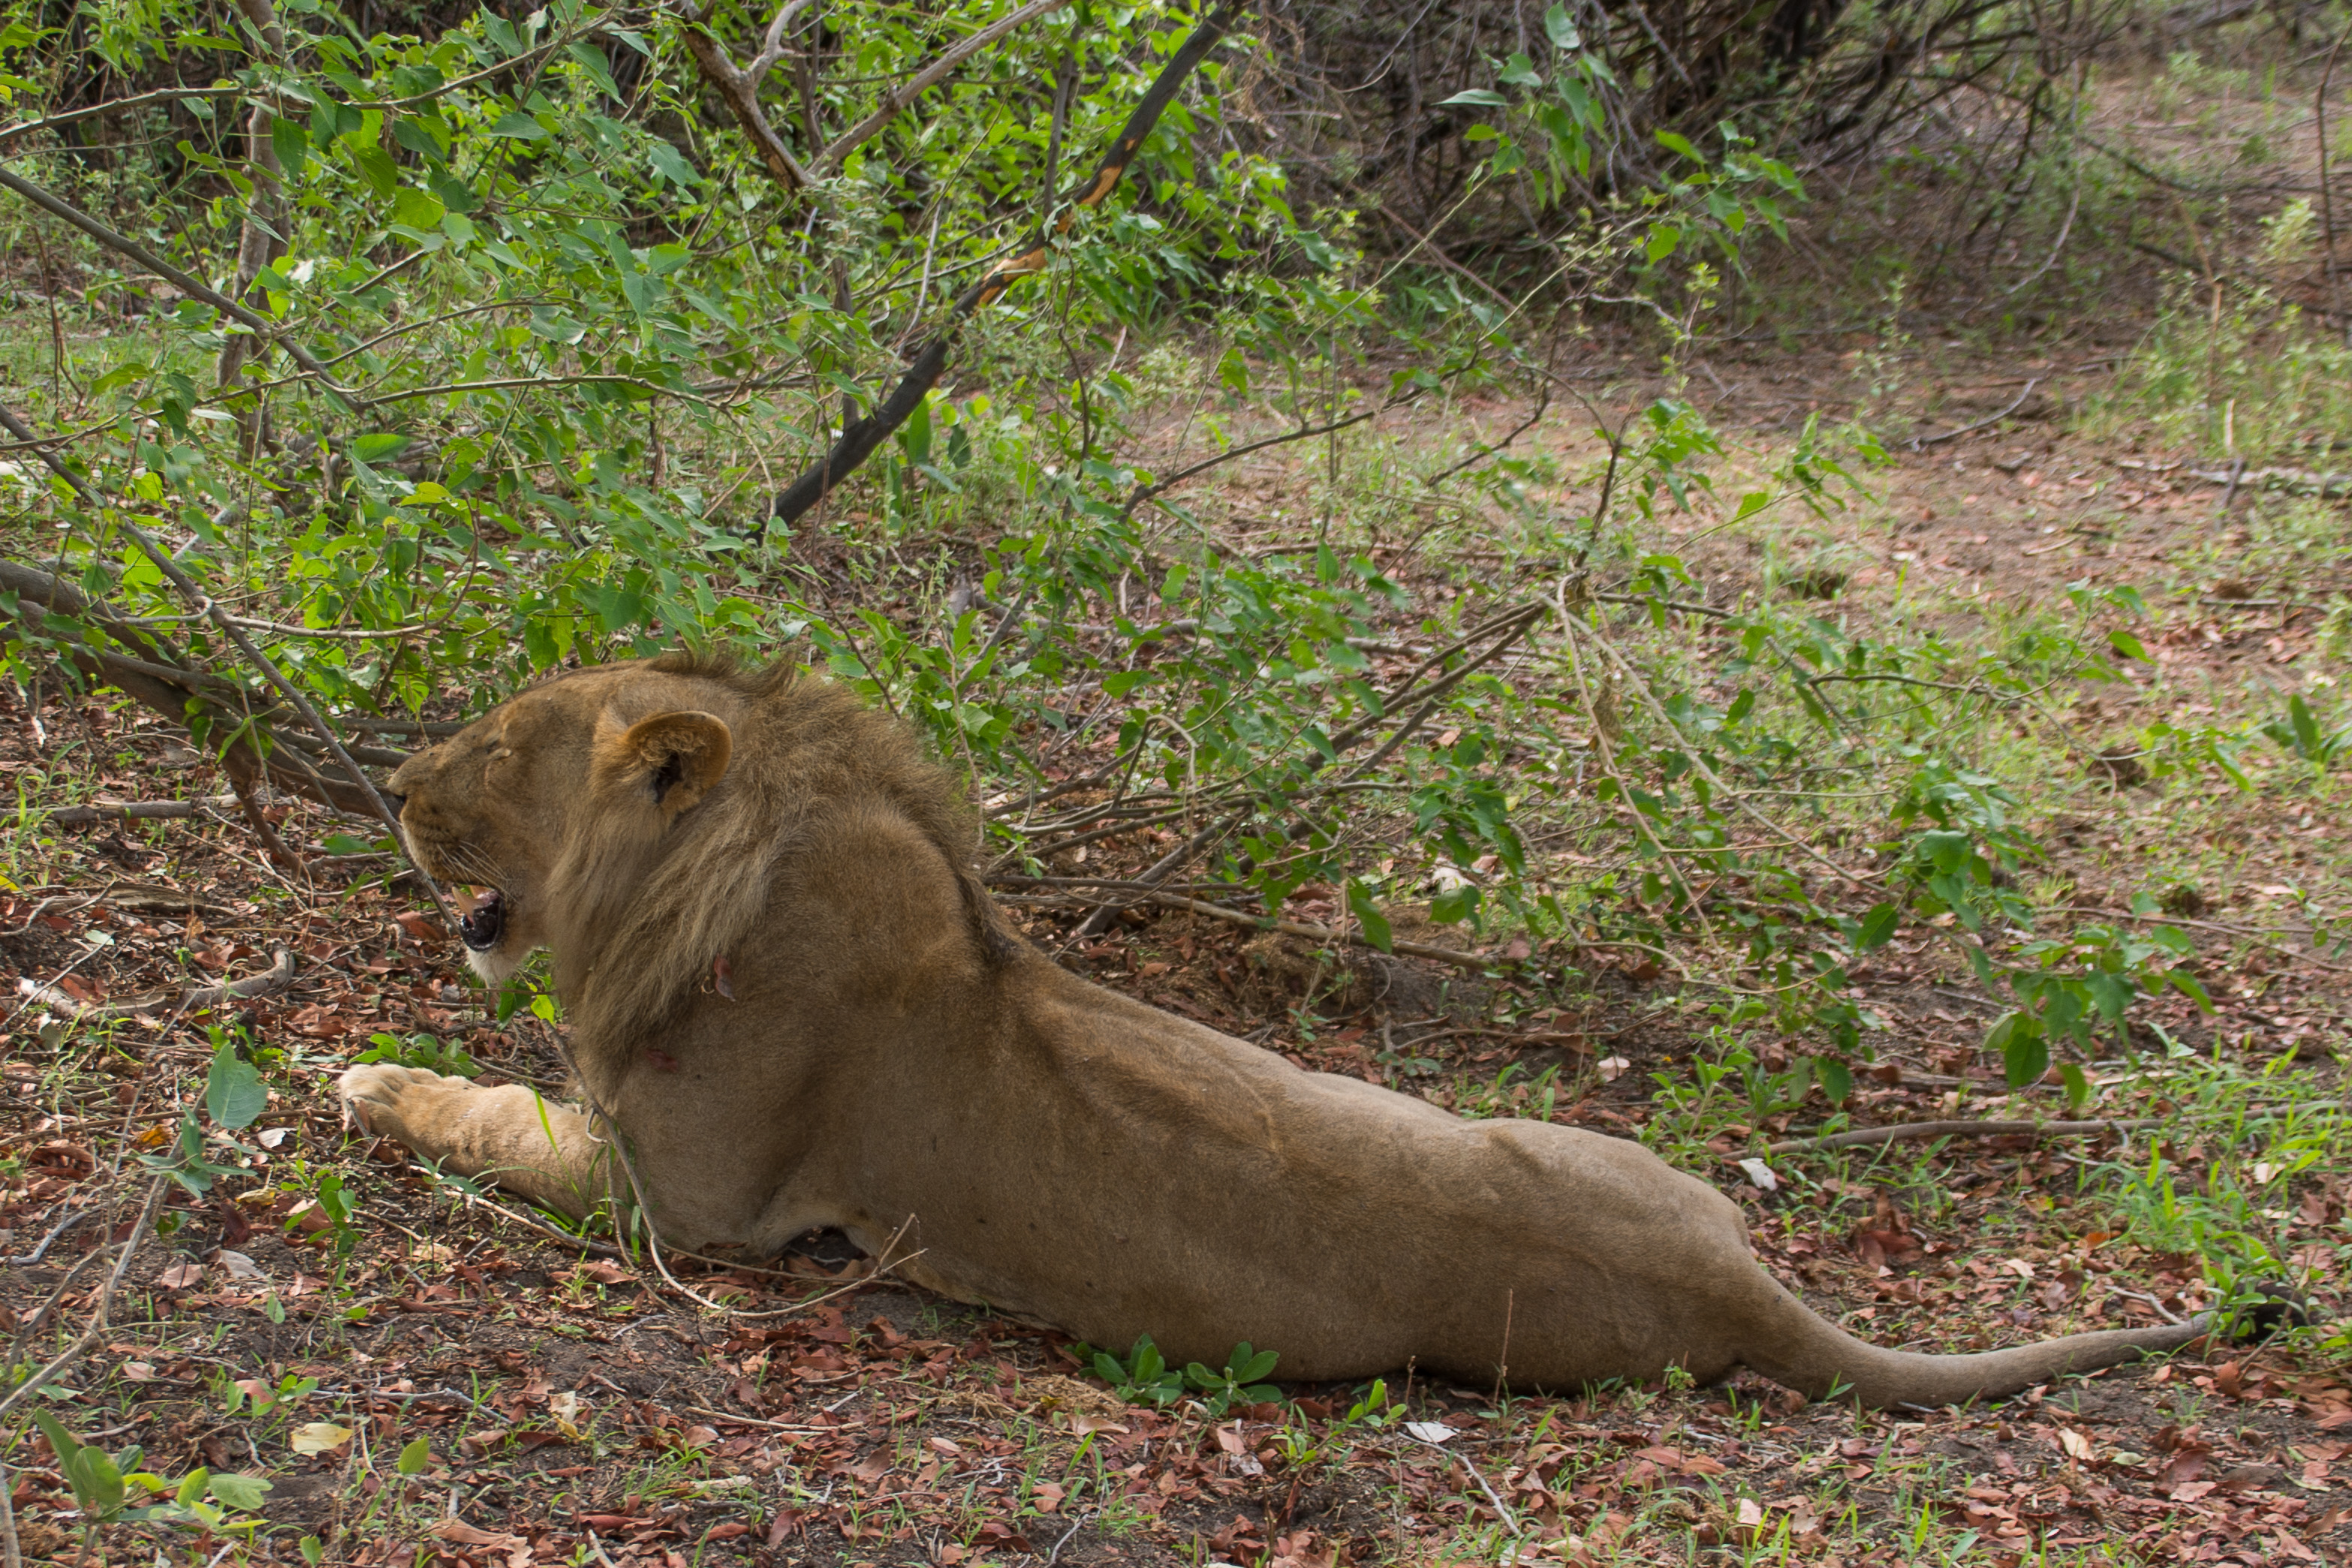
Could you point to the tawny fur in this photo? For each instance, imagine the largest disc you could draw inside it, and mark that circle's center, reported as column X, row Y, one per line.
column 889, row 1061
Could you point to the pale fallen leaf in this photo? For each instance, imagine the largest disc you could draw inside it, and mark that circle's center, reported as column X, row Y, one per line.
column 318, row 1438
column 458, row 1532
column 238, row 1265
column 1750, row 1514
column 139, row 1371
column 1761, row 1175
column 2077, row 1446
column 180, row 1276
column 1429, row 1431
column 2019, row 1267
column 2265, row 1170
column 1611, row 1068
column 270, row 1137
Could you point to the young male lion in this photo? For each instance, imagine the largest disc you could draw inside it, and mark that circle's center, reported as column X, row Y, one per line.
column 891, row 1062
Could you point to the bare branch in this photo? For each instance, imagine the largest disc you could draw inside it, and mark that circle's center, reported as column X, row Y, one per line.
column 859, row 439
column 828, row 162
column 739, row 89
column 772, row 47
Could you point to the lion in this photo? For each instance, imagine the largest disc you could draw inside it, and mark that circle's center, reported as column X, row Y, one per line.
column 791, row 995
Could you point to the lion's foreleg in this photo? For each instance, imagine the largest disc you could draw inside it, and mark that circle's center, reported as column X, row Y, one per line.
column 540, row 1151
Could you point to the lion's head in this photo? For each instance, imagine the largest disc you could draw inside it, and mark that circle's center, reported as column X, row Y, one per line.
column 628, row 816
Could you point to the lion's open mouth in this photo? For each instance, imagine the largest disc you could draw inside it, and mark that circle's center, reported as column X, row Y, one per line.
column 482, row 925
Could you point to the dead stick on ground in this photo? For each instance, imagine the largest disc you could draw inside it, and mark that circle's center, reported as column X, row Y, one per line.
column 82, row 816
column 277, row 977
column 1909, row 1130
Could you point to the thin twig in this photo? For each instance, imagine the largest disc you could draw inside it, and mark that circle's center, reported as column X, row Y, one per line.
column 1920, row 442
column 1908, row 1130
column 97, row 1325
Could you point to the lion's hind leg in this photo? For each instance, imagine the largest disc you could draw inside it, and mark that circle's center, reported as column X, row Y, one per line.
column 543, row 1152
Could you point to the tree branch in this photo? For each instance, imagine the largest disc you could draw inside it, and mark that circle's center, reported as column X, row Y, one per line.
column 862, row 437
column 739, row 89
column 828, row 162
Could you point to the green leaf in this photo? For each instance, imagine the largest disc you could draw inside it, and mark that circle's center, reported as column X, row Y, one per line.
column 61, row 1442
column 377, row 446
column 233, row 1093
column 290, row 140
column 414, row 208
column 669, row 163
column 2111, row 994
column 1835, row 1078
column 1561, row 29
column 2078, row 1087
column 1453, row 907
column 1947, row 851
column 243, row 1493
column 1681, row 144
column 2129, row 646
column 520, row 126
column 1375, row 923
column 376, row 167
column 1477, row 98
column 415, row 1456
column 1878, row 928
column 2188, row 986
column 411, row 133
column 2019, row 1039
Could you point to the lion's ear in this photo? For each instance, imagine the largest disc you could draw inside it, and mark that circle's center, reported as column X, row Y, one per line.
column 675, row 758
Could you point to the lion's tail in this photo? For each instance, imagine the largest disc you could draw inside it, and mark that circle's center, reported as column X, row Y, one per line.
column 1796, row 1346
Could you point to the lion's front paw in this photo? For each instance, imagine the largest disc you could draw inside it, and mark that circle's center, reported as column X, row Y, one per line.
column 399, row 1101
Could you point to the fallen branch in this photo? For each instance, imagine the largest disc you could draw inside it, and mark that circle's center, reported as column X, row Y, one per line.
column 1920, row 442
column 277, row 977
column 166, row 679
column 84, row 815
column 1908, row 1130
column 1313, row 932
